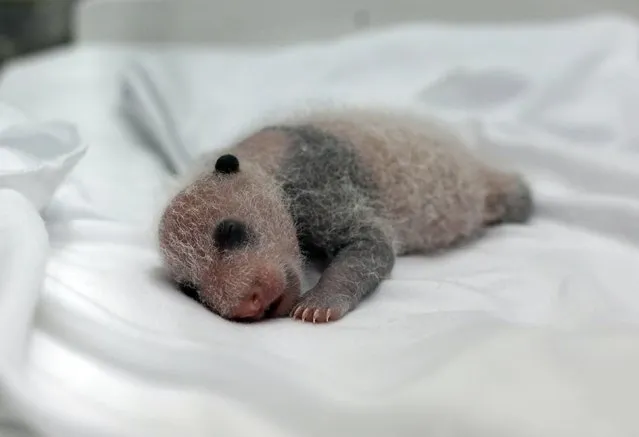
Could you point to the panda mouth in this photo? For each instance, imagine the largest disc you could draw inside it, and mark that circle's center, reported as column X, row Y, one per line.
column 283, row 304
column 272, row 310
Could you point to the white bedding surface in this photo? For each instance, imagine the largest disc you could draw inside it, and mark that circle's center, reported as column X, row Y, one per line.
column 532, row 331
column 82, row 85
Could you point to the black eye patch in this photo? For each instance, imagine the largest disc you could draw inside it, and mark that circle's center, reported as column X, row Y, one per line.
column 230, row 234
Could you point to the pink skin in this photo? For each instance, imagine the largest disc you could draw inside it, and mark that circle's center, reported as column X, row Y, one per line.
column 272, row 295
column 464, row 195
column 191, row 255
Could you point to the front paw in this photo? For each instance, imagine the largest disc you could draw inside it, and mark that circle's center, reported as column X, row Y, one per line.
column 319, row 307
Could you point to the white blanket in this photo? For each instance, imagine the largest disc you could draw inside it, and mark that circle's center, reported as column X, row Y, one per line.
column 35, row 158
column 557, row 102
column 530, row 332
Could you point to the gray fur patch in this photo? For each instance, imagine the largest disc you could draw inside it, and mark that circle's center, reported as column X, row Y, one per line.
column 510, row 203
column 355, row 272
column 331, row 196
column 335, row 205
column 519, row 204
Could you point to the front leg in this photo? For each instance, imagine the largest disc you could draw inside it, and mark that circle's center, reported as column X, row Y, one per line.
column 356, row 271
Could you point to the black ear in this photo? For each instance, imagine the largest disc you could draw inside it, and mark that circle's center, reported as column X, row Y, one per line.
column 227, row 164
column 230, row 234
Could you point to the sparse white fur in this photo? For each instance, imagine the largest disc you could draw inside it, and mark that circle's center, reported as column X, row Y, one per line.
column 431, row 192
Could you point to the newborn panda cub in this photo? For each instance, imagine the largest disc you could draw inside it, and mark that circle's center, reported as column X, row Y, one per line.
column 352, row 188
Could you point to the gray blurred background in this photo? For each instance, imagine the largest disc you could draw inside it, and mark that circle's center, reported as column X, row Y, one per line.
column 27, row 26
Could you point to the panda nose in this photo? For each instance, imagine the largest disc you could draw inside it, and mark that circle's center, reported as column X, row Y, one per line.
column 256, row 303
column 250, row 307
column 263, row 295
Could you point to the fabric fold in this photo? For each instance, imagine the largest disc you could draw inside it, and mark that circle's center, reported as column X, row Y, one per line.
column 35, row 158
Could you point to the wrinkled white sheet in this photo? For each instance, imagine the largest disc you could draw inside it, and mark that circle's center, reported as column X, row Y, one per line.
column 530, row 332
column 81, row 85
column 35, row 158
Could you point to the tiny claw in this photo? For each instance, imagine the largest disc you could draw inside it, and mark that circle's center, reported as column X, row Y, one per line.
column 315, row 316
column 304, row 314
column 328, row 315
column 297, row 312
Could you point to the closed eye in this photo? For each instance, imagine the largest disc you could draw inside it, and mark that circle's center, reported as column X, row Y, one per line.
column 230, row 234
column 189, row 289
